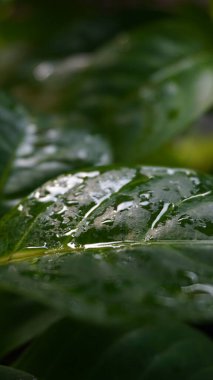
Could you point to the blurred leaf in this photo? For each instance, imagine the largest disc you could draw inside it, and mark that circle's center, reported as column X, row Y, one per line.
column 118, row 286
column 196, row 150
column 7, row 373
column 68, row 349
column 162, row 350
column 21, row 320
column 35, row 150
column 74, row 28
column 142, row 89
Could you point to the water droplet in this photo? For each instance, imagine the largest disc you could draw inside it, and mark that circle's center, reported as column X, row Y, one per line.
column 184, row 220
column 145, row 203
column 108, row 222
column 43, row 71
column 170, row 171
column 199, row 289
column 159, row 216
column 195, row 180
column 192, row 276
column 125, row 206
column 20, row 207
column 71, row 245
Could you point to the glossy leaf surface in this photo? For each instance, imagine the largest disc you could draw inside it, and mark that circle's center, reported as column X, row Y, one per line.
column 111, row 239
column 115, row 205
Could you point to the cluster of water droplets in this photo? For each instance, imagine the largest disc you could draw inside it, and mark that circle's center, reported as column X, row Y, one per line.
column 118, row 206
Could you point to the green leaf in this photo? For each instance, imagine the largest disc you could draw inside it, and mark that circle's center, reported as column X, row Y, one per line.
column 35, row 150
column 116, row 205
column 21, row 320
column 159, row 349
column 143, row 88
column 68, row 349
column 7, row 373
column 118, row 244
column 118, row 286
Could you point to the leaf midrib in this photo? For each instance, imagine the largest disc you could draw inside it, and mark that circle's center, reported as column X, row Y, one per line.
column 33, row 253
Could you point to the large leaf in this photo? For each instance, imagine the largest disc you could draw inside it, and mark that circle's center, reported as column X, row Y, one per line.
column 161, row 351
column 87, row 213
column 118, row 286
column 119, row 204
column 143, row 88
column 7, row 373
column 158, row 350
column 68, row 349
column 21, row 319
column 33, row 151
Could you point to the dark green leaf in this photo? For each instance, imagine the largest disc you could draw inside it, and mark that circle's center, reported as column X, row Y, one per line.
column 7, row 373
column 158, row 350
column 68, row 350
column 164, row 351
column 21, row 319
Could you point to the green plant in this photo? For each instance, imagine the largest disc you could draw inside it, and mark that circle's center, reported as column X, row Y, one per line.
column 106, row 265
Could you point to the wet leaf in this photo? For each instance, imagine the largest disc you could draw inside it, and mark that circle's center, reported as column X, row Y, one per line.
column 121, row 243
column 35, row 150
column 99, row 207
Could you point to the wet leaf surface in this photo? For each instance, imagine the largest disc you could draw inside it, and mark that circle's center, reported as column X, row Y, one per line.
column 99, row 207
column 114, row 245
